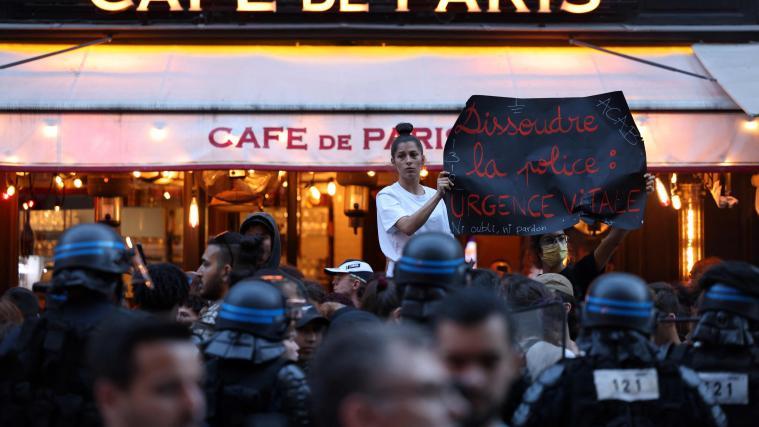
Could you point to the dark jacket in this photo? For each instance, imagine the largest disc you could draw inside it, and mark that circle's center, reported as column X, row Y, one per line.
column 267, row 221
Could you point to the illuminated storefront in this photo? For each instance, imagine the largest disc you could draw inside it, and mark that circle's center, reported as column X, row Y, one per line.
column 198, row 112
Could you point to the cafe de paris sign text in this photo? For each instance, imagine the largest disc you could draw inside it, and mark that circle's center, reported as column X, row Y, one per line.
column 493, row 6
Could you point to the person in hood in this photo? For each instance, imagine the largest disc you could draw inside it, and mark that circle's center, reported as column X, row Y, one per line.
column 263, row 225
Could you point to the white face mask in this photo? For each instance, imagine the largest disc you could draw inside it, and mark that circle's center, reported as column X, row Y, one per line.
column 554, row 255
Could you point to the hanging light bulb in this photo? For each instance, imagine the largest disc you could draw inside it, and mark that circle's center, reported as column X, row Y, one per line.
column 136, row 174
column 167, row 195
column 57, row 208
column 59, row 181
column 31, row 204
column 676, row 202
column 371, row 174
column 424, row 173
column 6, row 196
column 661, row 192
column 751, row 124
column 673, row 178
column 25, row 206
column 194, row 214
column 331, row 188
column 11, row 190
column 315, row 194
column 78, row 183
column 284, row 184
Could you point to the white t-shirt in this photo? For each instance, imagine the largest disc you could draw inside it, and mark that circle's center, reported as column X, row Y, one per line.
column 393, row 203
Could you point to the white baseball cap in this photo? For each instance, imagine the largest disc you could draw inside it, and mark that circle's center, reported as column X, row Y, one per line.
column 354, row 267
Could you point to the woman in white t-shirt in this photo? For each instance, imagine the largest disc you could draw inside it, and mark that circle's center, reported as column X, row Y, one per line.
column 407, row 207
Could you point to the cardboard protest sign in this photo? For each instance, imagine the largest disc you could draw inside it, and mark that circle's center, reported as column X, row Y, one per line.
column 533, row 166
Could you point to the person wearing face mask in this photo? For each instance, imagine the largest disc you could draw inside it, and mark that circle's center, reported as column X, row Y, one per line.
column 552, row 253
column 407, row 207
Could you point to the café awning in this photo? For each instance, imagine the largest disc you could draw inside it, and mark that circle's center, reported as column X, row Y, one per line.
column 336, row 78
column 736, row 68
column 121, row 107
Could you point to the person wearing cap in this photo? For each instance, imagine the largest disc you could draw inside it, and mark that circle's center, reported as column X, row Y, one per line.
column 407, row 207
column 309, row 331
column 350, row 279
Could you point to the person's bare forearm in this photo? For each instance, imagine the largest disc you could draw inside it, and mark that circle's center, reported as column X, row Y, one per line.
column 608, row 246
column 408, row 225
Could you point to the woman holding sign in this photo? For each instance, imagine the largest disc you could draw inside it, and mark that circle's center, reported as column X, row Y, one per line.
column 407, row 207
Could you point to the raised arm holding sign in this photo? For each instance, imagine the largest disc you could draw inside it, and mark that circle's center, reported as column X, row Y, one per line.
column 538, row 166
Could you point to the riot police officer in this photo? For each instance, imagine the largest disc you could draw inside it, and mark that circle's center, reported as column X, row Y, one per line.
column 250, row 382
column 430, row 266
column 51, row 384
column 618, row 381
column 725, row 341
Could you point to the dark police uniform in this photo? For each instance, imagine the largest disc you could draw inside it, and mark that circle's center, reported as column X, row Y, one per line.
column 618, row 381
column 249, row 380
column 725, row 349
column 46, row 380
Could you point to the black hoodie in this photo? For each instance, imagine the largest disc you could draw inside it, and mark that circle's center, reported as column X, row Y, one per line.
column 267, row 221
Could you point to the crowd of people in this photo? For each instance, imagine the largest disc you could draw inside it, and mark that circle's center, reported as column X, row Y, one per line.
column 246, row 340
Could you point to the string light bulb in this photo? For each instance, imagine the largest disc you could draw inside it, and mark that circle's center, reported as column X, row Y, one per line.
column 316, row 195
column 371, row 174
column 424, row 173
column 59, row 181
column 136, row 174
column 194, row 214
column 77, row 183
column 661, row 192
column 284, row 184
column 57, row 208
column 331, row 188
column 11, row 190
column 676, row 202
column 167, row 195
column 673, row 178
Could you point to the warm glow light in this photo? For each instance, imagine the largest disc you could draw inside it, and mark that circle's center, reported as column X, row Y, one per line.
column 281, row 174
column 661, row 191
column 284, row 184
column 50, row 130
column 676, row 202
column 331, row 188
column 371, row 173
column 57, row 208
column 25, row 206
column 167, row 195
column 424, row 173
column 673, row 178
column 751, row 124
column 78, row 183
column 129, row 242
column 31, row 203
column 10, row 191
column 136, row 174
column 690, row 236
column 194, row 215
column 6, row 196
column 315, row 194
column 158, row 132
column 251, row 171
column 59, row 181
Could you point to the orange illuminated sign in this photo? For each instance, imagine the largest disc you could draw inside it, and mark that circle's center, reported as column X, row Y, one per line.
column 472, row 6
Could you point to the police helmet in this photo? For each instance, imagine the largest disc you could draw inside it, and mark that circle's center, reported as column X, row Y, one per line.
column 619, row 300
column 432, row 259
column 731, row 286
column 95, row 247
column 256, row 307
